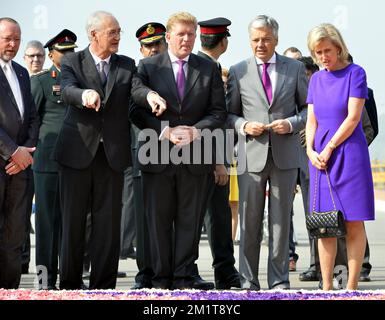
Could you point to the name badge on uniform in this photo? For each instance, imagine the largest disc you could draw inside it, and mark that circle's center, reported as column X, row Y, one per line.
column 56, row 91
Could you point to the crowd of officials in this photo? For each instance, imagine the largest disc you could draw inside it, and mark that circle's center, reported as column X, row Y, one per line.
column 79, row 139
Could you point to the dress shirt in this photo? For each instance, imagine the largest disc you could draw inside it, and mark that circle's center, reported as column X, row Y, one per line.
column 13, row 82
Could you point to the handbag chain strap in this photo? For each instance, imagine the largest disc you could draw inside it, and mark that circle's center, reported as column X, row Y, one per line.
column 330, row 188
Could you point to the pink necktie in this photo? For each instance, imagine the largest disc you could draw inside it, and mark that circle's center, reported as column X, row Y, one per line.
column 180, row 79
column 267, row 83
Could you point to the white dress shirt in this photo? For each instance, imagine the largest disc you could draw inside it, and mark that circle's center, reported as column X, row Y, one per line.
column 13, row 81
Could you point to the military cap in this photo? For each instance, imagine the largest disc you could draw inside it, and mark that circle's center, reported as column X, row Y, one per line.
column 150, row 32
column 63, row 41
column 216, row 26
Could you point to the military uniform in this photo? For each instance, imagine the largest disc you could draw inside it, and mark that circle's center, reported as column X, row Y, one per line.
column 45, row 87
column 218, row 216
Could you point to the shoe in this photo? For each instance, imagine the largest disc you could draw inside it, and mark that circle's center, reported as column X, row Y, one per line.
column 83, row 286
column 292, row 265
column 25, row 268
column 121, row 274
column 308, row 275
column 364, row 277
column 142, row 285
column 201, row 284
column 233, row 281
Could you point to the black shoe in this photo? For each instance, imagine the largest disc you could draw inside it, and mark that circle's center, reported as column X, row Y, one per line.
column 25, row 268
column 233, row 281
column 364, row 277
column 121, row 274
column 141, row 285
column 308, row 275
column 201, row 284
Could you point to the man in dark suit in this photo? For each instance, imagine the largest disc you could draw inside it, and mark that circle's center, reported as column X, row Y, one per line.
column 185, row 94
column 214, row 42
column 46, row 91
column 151, row 37
column 93, row 149
column 18, row 135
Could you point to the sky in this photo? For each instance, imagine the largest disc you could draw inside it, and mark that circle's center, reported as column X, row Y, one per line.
column 359, row 23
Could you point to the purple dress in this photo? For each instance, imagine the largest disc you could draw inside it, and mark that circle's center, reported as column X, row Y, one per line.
column 349, row 166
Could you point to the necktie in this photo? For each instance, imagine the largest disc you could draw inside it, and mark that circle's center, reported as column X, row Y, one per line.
column 102, row 73
column 14, row 84
column 267, row 83
column 180, row 79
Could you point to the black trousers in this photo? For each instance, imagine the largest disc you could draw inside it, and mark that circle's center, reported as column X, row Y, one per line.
column 218, row 225
column 101, row 187
column 13, row 208
column 174, row 202
column 47, row 224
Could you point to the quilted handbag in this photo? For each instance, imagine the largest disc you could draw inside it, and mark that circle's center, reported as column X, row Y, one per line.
column 329, row 224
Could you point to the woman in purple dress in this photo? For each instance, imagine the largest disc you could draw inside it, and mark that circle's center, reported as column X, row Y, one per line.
column 336, row 145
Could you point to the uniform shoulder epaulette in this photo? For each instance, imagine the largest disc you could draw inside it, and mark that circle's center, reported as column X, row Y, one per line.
column 44, row 71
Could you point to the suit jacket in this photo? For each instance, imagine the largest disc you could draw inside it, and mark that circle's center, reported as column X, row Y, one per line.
column 246, row 101
column 84, row 128
column 46, row 91
column 203, row 105
column 15, row 131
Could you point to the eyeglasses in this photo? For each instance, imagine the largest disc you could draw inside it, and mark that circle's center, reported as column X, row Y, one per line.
column 113, row 33
column 32, row 56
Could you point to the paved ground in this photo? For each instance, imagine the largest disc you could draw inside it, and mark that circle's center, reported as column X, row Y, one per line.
column 376, row 236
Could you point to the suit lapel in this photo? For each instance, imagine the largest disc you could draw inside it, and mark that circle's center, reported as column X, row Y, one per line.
column 167, row 74
column 280, row 69
column 7, row 88
column 91, row 73
column 114, row 66
column 192, row 74
column 255, row 80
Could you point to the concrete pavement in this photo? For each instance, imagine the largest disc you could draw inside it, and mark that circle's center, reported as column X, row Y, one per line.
column 375, row 231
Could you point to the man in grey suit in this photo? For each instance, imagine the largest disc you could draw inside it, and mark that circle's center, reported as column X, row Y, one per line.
column 266, row 101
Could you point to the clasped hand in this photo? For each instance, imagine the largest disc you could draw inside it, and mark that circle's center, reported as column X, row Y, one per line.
column 20, row 160
column 181, row 135
column 255, row 128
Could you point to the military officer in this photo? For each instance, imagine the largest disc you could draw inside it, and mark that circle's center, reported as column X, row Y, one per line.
column 151, row 37
column 214, row 42
column 46, row 91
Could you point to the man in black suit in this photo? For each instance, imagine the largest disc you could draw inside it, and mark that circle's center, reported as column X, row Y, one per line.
column 18, row 135
column 93, row 149
column 46, row 91
column 177, row 94
column 214, row 42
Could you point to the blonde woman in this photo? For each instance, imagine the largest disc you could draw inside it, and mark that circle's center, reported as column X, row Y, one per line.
column 336, row 145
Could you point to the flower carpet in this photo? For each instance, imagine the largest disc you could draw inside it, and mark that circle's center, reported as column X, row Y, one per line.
column 26, row 294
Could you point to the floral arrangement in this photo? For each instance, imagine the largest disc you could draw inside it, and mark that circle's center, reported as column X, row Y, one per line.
column 26, row 294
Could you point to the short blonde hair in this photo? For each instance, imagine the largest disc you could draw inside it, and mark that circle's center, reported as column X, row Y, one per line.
column 181, row 17
column 327, row 31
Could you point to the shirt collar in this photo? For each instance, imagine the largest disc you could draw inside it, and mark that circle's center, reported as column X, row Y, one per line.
column 173, row 58
column 273, row 59
column 3, row 63
column 97, row 59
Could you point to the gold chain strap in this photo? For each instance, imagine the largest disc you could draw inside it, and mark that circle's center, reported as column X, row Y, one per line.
column 330, row 189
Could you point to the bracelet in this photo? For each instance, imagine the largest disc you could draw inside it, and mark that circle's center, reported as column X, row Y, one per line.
column 332, row 145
